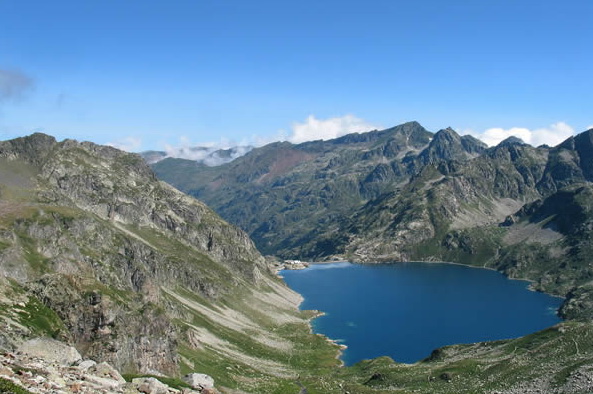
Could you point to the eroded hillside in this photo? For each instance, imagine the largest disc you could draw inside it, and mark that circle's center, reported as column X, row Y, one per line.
column 96, row 252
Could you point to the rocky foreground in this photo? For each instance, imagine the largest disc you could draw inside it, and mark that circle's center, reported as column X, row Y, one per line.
column 49, row 366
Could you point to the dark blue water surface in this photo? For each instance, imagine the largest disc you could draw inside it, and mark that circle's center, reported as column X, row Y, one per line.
column 406, row 310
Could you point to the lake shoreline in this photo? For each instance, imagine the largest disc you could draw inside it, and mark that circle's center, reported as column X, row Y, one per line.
column 328, row 335
column 530, row 281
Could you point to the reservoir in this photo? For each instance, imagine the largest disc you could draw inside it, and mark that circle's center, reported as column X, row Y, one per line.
column 406, row 310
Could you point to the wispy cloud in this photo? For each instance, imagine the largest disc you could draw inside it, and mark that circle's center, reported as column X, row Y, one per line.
column 551, row 135
column 325, row 129
column 210, row 154
column 14, row 85
column 128, row 144
column 224, row 151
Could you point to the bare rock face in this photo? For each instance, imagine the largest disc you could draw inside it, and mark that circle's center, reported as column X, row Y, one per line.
column 51, row 350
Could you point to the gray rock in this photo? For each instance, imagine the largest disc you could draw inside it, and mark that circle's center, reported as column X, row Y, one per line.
column 86, row 364
column 51, row 350
column 151, row 386
column 105, row 370
column 199, row 381
column 104, row 383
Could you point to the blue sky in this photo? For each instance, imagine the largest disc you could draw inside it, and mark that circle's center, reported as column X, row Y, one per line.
column 155, row 74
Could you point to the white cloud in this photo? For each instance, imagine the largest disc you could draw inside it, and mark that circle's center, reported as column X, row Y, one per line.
column 589, row 127
column 551, row 135
column 128, row 144
column 312, row 129
column 207, row 153
column 325, row 129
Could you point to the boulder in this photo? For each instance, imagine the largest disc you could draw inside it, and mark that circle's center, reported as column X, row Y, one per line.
column 104, row 370
column 150, row 386
column 86, row 364
column 199, row 381
column 51, row 350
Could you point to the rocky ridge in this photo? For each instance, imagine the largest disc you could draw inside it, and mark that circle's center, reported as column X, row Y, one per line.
column 276, row 193
column 96, row 252
column 406, row 194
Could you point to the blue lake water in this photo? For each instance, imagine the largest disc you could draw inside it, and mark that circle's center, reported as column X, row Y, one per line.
column 406, row 310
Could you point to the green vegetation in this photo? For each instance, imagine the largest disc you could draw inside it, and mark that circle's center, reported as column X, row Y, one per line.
column 37, row 261
column 6, row 386
column 552, row 355
column 258, row 355
column 42, row 320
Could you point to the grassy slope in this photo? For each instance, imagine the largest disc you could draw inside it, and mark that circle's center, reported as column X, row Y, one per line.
column 547, row 359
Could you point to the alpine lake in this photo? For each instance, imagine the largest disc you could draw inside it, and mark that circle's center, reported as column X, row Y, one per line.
column 406, row 310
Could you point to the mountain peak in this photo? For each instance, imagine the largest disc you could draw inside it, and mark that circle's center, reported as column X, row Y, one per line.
column 33, row 147
column 447, row 144
column 447, row 133
column 512, row 140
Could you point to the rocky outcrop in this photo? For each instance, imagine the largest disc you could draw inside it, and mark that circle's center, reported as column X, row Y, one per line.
column 37, row 369
column 51, row 351
column 199, row 381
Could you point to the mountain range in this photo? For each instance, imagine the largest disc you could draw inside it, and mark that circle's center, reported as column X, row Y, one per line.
column 405, row 194
column 98, row 253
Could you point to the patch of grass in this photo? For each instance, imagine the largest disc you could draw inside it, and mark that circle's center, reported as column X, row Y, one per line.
column 6, row 386
column 4, row 245
column 12, row 212
column 40, row 319
column 121, row 297
column 37, row 261
column 562, row 375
